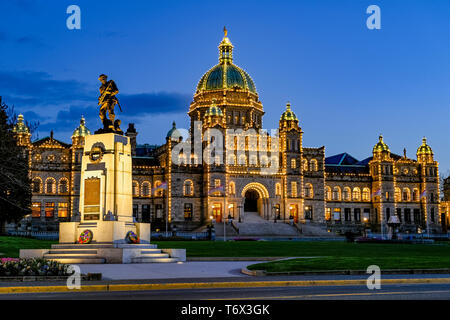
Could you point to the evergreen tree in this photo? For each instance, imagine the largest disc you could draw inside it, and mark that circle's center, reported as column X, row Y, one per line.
column 15, row 187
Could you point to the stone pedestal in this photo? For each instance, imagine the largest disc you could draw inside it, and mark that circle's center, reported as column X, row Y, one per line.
column 106, row 198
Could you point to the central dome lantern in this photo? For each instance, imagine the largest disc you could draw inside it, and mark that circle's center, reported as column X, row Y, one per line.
column 231, row 88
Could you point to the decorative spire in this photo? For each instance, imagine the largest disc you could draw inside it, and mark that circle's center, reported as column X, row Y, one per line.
column 225, row 48
column 20, row 126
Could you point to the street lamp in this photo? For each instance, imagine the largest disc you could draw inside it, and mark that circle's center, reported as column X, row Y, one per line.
column 240, row 207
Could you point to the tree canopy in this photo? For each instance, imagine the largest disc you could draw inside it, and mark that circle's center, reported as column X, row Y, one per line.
column 15, row 187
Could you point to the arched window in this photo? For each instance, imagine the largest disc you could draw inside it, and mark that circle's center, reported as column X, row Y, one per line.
column 366, row 194
column 188, row 189
column 416, row 194
column 293, row 189
column 356, row 194
column 135, row 188
column 309, row 190
column 406, row 194
column 37, row 185
column 146, row 189
column 232, row 159
column 50, row 185
column 328, row 193
column 278, row 189
column 253, row 160
column 274, row 161
column 242, row 160
column 232, row 188
column 347, row 194
column 337, row 193
column 305, row 165
column 293, row 163
column 264, row 161
column 313, row 164
column 63, row 185
column 398, row 195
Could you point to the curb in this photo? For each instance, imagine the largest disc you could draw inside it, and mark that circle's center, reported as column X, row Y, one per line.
column 342, row 272
column 213, row 285
column 206, row 259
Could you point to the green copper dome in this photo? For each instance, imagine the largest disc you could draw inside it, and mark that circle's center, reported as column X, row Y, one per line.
column 381, row 146
column 81, row 131
column 424, row 148
column 214, row 111
column 20, row 127
column 288, row 114
column 174, row 133
column 226, row 75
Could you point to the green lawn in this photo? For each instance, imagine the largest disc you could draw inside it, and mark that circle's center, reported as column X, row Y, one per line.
column 330, row 255
column 10, row 246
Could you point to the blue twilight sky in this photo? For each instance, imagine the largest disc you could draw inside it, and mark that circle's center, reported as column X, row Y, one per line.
column 346, row 83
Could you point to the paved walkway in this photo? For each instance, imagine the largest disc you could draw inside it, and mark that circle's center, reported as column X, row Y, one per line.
column 197, row 269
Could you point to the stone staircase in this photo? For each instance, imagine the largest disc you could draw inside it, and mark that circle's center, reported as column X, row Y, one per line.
column 254, row 225
column 95, row 253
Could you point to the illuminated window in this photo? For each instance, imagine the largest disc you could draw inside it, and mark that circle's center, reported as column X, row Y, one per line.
column 62, row 209
column 188, row 188
column 314, row 166
column 366, row 194
column 416, row 195
column 278, row 189
column 328, row 193
column 305, row 165
column 347, row 194
column 232, row 160
column 146, row 189
column 232, row 188
column 135, row 189
column 253, row 160
column 188, row 211
column 308, row 190
column 398, row 195
column 50, row 185
column 336, row 193
column 327, row 214
column 356, row 194
column 36, row 209
column 49, row 209
column 293, row 189
column 293, row 163
column 158, row 191
column 406, row 194
column 242, row 160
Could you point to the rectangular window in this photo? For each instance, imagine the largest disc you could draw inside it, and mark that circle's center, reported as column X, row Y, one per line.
column 146, row 213
column 36, row 209
column 308, row 212
column 135, row 211
column 159, row 212
column 357, row 214
column 188, row 211
column 328, row 214
column 399, row 214
column 294, row 189
column 49, row 209
column 337, row 214
column 348, row 214
column 407, row 215
column 63, row 209
column 417, row 218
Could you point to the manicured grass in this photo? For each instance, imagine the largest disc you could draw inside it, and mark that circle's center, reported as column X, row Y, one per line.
column 329, row 255
column 10, row 246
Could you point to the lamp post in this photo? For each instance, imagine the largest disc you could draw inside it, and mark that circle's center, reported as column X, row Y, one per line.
column 394, row 222
column 240, row 211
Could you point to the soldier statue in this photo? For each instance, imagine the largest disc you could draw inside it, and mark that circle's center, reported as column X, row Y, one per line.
column 107, row 101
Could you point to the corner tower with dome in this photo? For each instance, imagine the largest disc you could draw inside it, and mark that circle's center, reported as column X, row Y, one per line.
column 259, row 179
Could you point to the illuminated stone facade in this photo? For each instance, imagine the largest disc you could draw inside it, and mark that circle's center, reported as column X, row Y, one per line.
column 275, row 176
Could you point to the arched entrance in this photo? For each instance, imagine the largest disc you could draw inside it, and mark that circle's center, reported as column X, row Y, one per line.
column 255, row 198
column 251, row 201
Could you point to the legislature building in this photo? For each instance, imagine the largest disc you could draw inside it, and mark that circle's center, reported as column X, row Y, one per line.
column 274, row 177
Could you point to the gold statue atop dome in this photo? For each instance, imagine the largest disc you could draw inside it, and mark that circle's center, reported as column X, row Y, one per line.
column 225, row 32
